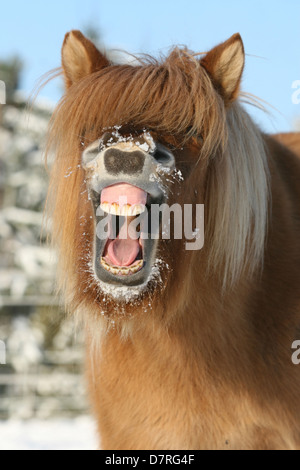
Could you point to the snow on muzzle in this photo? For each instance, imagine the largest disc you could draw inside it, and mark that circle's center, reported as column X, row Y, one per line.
column 125, row 246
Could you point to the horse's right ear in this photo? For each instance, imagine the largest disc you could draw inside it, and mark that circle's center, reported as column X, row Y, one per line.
column 80, row 57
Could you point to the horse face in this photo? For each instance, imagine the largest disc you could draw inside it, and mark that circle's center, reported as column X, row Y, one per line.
column 109, row 244
column 123, row 175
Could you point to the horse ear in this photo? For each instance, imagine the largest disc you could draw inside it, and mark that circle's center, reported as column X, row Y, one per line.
column 225, row 64
column 80, row 57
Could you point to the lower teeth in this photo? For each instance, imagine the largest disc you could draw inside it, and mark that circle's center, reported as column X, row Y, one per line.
column 123, row 271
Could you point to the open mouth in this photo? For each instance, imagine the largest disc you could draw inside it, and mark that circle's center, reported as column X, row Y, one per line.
column 126, row 206
column 127, row 238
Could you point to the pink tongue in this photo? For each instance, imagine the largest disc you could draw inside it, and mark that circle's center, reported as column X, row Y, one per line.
column 124, row 250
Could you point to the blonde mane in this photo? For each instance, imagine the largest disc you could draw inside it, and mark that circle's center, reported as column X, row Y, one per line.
column 237, row 199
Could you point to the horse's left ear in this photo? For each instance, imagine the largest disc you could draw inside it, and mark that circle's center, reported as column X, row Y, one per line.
column 80, row 57
column 225, row 64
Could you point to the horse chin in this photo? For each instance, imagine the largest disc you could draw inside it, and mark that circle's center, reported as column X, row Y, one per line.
column 131, row 290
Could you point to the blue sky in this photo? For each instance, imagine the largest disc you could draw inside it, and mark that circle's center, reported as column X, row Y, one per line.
column 35, row 29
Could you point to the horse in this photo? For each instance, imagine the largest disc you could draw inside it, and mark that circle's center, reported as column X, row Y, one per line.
column 186, row 349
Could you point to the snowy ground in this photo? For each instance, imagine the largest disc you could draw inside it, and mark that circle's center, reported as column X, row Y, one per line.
column 77, row 434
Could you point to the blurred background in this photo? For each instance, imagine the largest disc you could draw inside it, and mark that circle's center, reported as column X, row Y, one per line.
column 43, row 403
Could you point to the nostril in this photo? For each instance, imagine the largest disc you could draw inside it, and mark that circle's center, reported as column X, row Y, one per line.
column 164, row 156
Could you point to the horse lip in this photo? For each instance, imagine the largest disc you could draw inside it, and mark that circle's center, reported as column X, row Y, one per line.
column 153, row 189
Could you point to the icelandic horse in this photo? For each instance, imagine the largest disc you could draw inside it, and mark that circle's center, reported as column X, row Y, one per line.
column 186, row 349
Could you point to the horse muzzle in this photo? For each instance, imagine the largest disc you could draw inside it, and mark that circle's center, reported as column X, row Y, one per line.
column 124, row 178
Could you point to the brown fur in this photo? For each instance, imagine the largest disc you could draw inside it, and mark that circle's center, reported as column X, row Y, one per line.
column 203, row 361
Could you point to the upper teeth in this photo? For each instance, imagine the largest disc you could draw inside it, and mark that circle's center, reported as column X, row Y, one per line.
column 125, row 210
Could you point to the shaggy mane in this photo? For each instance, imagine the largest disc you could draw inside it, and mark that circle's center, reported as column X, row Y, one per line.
column 175, row 97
